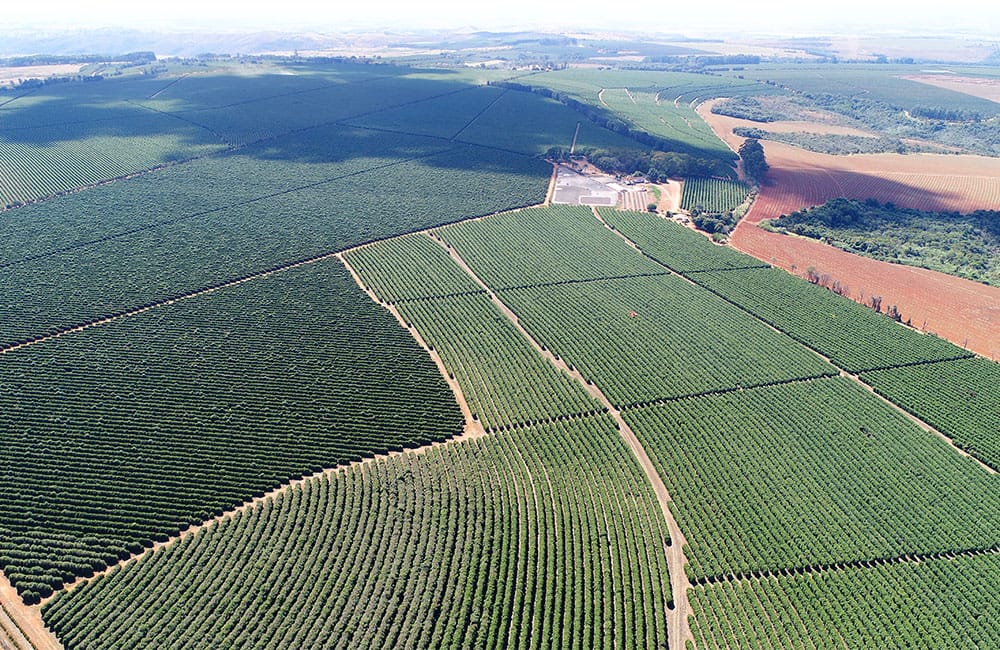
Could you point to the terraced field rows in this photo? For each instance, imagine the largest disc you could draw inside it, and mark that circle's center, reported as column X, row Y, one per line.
column 409, row 268
column 959, row 398
column 854, row 337
column 655, row 338
column 713, row 195
column 774, row 466
column 493, row 542
column 946, row 603
column 114, row 275
column 675, row 246
column 504, row 380
column 543, row 246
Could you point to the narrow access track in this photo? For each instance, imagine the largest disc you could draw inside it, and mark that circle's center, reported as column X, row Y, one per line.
column 473, row 429
column 844, row 373
column 21, row 626
column 678, row 627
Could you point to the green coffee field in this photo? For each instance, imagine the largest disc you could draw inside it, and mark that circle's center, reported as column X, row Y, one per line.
column 325, row 371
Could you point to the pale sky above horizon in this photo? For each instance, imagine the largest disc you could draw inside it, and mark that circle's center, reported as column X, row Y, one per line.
column 863, row 16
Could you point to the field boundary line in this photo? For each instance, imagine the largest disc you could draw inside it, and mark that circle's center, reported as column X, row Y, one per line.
column 678, row 626
column 549, row 419
column 519, row 287
column 481, row 112
column 203, row 213
column 79, row 327
column 852, row 375
column 725, row 391
column 559, row 283
column 11, row 631
column 723, row 269
column 229, row 147
column 787, row 572
column 178, row 116
column 911, row 364
column 472, row 429
column 442, row 138
column 550, row 192
column 172, row 82
column 108, row 181
column 252, row 503
column 440, row 296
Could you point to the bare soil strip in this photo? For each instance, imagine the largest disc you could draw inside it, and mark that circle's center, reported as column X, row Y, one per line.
column 550, row 192
column 677, row 618
column 981, row 87
column 23, row 624
column 966, row 313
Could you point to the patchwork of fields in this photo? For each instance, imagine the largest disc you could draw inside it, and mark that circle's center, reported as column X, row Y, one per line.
column 333, row 375
column 963, row 311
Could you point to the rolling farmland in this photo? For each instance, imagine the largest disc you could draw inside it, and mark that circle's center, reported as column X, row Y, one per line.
column 856, row 480
column 340, row 380
column 966, row 313
column 504, row 381
column 547, row 246
column 200, row 405
column 957, row 397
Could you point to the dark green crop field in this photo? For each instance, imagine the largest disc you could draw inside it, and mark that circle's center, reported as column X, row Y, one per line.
column 516, row 424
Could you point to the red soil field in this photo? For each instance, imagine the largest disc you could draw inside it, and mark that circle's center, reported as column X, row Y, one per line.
column 975, row 86
column 964, row 312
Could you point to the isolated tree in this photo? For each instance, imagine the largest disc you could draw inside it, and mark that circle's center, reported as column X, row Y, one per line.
column 754, row 164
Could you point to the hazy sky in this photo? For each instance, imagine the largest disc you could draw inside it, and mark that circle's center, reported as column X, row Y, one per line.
column 674, row 16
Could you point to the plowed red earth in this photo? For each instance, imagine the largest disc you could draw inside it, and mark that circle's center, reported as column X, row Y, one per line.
column 964, row 312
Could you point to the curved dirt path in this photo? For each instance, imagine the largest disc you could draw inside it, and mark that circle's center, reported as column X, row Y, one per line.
column 678, row 627
column 473, row 429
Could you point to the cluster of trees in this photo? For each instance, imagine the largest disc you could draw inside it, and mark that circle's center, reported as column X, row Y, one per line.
column 656, row 165
column 753, row 160
column 610, row 121
column 946, row 114
column 835, row 144
column 747, row 108
column 135, row 58
column 964, row 245
column 935, row 125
